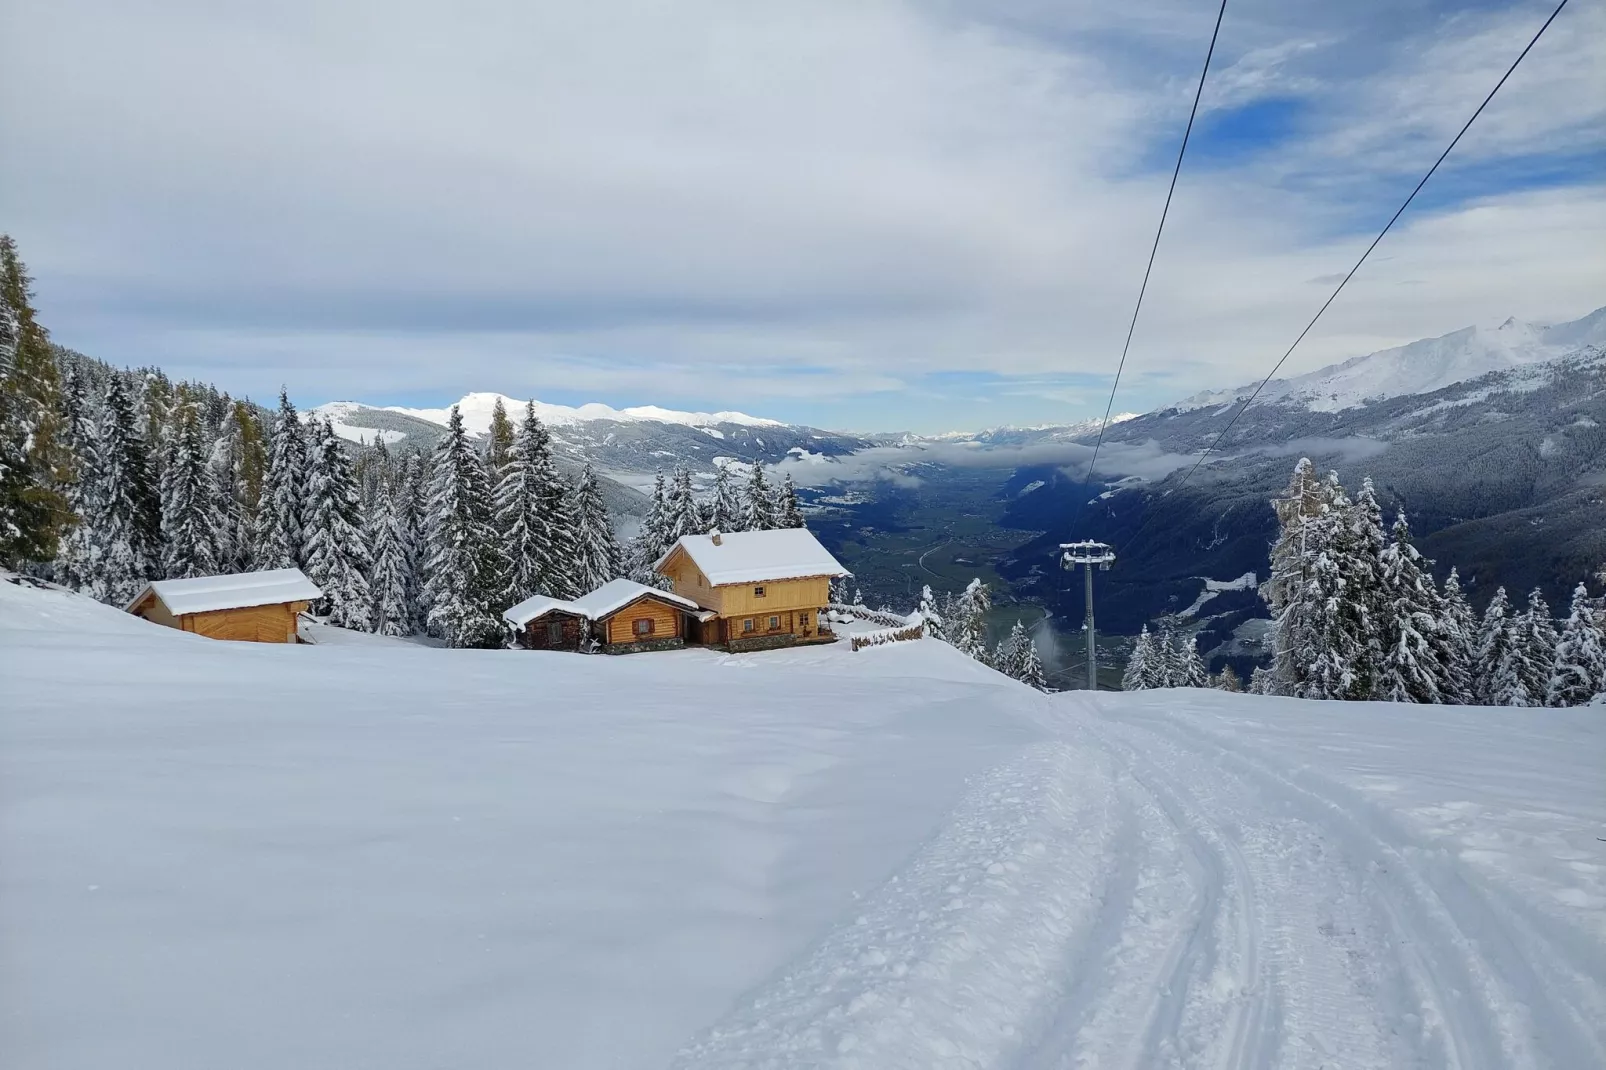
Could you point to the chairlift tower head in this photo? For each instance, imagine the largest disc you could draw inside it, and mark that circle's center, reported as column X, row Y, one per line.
column 1088, row 554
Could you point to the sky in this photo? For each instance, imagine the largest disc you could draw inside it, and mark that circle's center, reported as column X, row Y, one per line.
column 866, row 215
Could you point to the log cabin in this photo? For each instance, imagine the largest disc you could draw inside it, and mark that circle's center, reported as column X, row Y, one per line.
column 620, row 617
column 758, row 589
column 253, row 607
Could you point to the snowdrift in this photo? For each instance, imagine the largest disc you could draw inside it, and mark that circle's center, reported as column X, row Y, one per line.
column 385, row 854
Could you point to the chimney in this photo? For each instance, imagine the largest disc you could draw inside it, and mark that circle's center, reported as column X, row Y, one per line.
column 714, row 535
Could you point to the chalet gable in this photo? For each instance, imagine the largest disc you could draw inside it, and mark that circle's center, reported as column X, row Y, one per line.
column 244, row 590
column 600, row 604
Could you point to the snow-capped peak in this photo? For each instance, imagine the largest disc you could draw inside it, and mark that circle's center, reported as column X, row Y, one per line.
column 476, row 409
column 1423, row 366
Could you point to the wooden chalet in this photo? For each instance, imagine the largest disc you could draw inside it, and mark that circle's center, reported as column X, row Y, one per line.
column 254, row 607
column 759, row 589
column 620, row 617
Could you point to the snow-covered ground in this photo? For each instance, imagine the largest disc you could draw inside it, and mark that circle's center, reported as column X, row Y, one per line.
column 387, row 855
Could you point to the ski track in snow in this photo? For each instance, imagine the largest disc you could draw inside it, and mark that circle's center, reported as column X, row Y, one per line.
column 1142, row 894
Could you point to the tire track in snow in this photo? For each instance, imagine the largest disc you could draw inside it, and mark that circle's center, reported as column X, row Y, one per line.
column 962, row 955
column 1534, row 1009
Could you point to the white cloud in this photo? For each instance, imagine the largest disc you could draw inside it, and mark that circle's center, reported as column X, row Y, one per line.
column 688, row 203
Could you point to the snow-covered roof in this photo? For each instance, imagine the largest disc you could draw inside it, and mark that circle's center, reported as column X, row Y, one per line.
column 206, row 594
column 756, row 556
column 609, row 598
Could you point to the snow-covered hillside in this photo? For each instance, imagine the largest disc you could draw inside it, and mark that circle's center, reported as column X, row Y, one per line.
column 476, row 410
column 254, row 856
column 1423, row 366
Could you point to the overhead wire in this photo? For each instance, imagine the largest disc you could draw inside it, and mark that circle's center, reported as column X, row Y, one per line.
column 1351, row 273
column 1155, row 248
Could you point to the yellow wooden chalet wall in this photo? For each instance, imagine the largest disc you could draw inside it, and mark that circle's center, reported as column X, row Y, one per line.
column 741, row 599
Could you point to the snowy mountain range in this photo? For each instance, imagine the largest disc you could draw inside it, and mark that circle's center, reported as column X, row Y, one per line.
column 1422, row 366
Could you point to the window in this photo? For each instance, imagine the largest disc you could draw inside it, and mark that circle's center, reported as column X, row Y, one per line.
column 803, row 619
column 554, row 631
column 758, row 592
column 775, row 624
column 747, row 625
column 644, row 627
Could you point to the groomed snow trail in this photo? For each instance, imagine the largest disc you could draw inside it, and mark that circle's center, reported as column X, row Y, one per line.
column 1144, row 893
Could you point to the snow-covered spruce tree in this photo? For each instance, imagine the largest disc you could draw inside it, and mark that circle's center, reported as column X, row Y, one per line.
column 725, row 505
column 1261, row 681
column 1166, row 670
column 790, row 515
column 464, row 564
column 759, row 505
column 1140, row 667
column 1030, row 664
column 564, row 524
column 124, row 514
column 682, row 514
column 1363, row 610
column 649, row 545
column 240, row 463
column 858, row 598
column 596, row 558
column 409, row 500
column 522, row 521
column 1579, row 670
column 967, row 627
column 190, row 519
column 1307, row 529
column 1417, row 652
column 390, row 579
column 1460, row 641
column 1535, row 642
column 35, row 463
column 76, row 555
column 838, row 588
column 930, row 614
column 1494, row 660
column 338, row 556
column 1189, row 668
column 279, row 540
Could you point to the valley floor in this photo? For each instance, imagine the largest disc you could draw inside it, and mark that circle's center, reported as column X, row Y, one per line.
column 394, row 856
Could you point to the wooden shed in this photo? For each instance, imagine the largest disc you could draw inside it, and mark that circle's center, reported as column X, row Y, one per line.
column 620, row 617
column 760, row 589
column 254, row 607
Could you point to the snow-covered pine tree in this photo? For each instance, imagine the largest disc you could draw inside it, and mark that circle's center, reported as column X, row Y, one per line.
column 1190, row 668
column 596, row 551
column 76, row 556
column 464, row 565
column 1579, row 670
column 967, row 629
column 1261, row 681
column 190, row 519
column 649, row 544
column 523, row 522
column 1362, row 611
column 682, row 514
column 838, row 589
column 563, row 522
column 1227, row 680
column 1140, row 667
column 929, row 613
column 1005, row 655
column 725, row 505
column 390, row 581
column 125, row 514
column 1535, row 642
column 858, row 598
column 279, row 540
column 499, row 441
column 1460, row 636
column 1307, row 525
column 338, row 556
column 1417, row 653
column 409, row 500
column 759, row 507
column 1166, row 668
column 35, row 463
column 1499, row 660
column 1030, row 664
column 790, row 515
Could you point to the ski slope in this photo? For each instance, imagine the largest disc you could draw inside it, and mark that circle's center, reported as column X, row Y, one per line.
column 390, row 855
